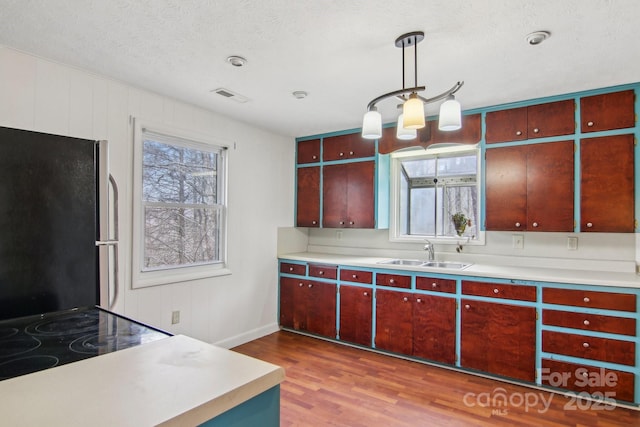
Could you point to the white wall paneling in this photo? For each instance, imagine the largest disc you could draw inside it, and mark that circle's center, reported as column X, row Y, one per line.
column 45, row 96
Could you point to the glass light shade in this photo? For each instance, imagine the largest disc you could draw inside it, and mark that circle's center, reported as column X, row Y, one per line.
column 413, row 111
column 372, row 125
column 450, row 117
column 402, row 132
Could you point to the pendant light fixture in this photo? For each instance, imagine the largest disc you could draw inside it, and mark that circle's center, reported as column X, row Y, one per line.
column 412, row 116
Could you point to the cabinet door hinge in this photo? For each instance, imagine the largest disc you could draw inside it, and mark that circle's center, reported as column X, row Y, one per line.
column 536, row 314
column 635, row 223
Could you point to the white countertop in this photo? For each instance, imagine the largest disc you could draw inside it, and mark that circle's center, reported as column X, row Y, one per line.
column 173, row 381
column 542, row 274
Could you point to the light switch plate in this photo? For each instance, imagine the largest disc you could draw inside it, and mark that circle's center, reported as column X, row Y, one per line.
column 572, row 243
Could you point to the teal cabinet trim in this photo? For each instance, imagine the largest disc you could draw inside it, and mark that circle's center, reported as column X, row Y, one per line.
column 262, row 410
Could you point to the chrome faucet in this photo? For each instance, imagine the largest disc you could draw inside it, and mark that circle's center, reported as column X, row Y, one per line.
column 429, row 248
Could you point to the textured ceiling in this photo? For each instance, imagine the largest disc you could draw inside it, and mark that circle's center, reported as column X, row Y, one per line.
column 340, row 51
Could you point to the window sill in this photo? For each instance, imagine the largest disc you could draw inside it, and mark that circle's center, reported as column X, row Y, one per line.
column 177, row 275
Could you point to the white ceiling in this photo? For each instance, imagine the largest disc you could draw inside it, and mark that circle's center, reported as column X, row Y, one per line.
column 340, row 51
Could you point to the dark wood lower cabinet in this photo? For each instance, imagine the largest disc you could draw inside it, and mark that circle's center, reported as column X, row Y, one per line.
column 394, row 321
column 355, row 314
column 434, row 328
column 416, row 325
column 498, row 338
column 308, row 306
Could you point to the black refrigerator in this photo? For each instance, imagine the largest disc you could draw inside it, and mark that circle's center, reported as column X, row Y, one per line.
column 54, row 196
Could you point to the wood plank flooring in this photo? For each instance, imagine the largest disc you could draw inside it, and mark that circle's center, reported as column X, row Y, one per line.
column 329, row 384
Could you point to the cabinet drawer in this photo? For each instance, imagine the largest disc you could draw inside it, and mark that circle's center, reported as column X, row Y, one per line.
column 603, row 349
column 395, row 280
column 356, row 276
column 289, row 268
column 323, row 271
column 437, row 285
column 618, row 385
column 591, row 299
column 498, row 290
column 590, row 322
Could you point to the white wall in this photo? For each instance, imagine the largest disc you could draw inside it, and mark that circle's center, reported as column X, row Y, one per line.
column 40, row 95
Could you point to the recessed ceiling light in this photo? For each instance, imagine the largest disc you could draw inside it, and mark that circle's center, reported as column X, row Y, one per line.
column 299, row 94
column 537, row 37
column 236, row 61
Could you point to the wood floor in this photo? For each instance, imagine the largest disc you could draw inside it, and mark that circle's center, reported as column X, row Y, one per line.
column 329, row 384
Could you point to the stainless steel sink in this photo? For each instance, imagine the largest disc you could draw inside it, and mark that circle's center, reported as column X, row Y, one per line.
column 445, row 264
column 431, row 264
column 402, row 262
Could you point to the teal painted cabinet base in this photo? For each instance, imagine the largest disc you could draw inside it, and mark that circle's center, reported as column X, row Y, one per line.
column 262, row 410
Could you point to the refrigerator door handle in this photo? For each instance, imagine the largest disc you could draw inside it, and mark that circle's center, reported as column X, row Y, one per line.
column 113, row 242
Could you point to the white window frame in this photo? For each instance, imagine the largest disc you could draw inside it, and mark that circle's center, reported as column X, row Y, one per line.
column 141, row 278
column 394, row 210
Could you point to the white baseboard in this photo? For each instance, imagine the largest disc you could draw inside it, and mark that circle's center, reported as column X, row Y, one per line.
column 248, row 336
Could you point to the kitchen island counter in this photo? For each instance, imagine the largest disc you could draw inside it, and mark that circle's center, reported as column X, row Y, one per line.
column 173, row 381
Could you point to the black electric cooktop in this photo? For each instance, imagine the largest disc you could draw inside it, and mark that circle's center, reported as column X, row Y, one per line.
column 33, row 343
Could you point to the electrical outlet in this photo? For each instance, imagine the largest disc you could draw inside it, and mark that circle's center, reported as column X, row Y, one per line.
column 517, row 241
column 572, row 243
column 175, row 317
column 339, row 235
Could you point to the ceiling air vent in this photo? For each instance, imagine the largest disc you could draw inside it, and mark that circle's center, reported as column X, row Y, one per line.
column 231, row 95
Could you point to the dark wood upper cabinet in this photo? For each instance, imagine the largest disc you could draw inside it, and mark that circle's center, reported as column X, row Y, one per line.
column 550, row 186
column 469, row 133
column 308, row 197
column 551, row 119
column 535, row 121
column 308, row 151
column 607, row 111
column 348, row 195
column 530, row 187
column 607, row 184
column 349, row 146
column 498, row 338
column 506, row 188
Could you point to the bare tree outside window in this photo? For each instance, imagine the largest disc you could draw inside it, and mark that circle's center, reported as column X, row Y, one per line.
column 181, row 202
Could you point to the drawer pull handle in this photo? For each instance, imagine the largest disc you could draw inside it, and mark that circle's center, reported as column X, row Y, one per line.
column 586, row 299
column 391, row 280
column 535, row 224
column 495, row 291
column 341, row 222
column 536, row 130
column 585, row 374
column 405, row 299
column 314, row 222
column 434, row 285
column 351, row 153
column 518, row 224
column 341, row 154
column 355, row 276
column 585, row 344
column 310, row 285
column 418, row 300
column 586, row 322
column 589, row 225
column 290, row 268
column 589, row 124
column 519, row 133
column 366, row 294
column 351, row 222
column 467, row 307
column 321, row 273
column 300, row 284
